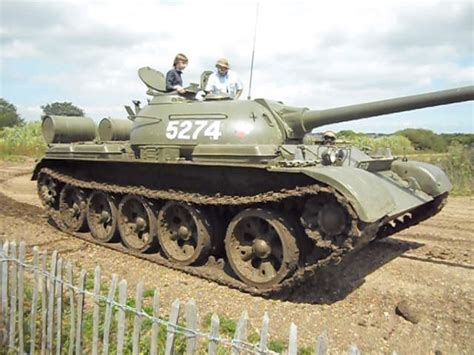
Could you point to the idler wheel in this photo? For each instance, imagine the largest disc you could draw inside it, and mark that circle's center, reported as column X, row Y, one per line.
column 102, row 216
column 184, row 233
column 48, row 191
column 326, row 221
column 261, row 247
column 72, row 208
column 137, row 223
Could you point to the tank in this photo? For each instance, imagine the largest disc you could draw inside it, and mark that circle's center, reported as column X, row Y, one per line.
column 230, row 191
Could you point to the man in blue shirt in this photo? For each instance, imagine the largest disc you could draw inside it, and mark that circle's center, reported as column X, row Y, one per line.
column 224, row 80
column 174, row 82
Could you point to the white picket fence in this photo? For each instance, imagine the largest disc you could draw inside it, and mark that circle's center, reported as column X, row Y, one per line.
column 53, row 295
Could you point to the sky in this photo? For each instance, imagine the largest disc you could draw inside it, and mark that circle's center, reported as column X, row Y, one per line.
column 316, row 54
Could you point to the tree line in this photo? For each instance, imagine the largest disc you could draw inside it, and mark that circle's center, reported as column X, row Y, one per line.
column 421, row 139
column 10, row 117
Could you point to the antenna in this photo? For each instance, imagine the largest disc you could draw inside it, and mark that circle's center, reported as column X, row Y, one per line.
column 253, row 54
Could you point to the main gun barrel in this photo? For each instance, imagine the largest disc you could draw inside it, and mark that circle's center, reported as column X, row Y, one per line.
column 312, row 119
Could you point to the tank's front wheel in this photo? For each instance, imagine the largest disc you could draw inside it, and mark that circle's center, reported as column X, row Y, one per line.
column 102, row 216
column 184, row 232
column 137, row 223
column 72, row 208
column 261, row 247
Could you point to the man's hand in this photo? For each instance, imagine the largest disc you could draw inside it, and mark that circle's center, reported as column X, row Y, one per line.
column 180, row 89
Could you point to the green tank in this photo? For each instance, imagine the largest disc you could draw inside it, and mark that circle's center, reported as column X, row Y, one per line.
column 229, row 190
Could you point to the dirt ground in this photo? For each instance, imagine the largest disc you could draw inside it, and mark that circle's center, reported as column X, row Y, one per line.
column 430, row 267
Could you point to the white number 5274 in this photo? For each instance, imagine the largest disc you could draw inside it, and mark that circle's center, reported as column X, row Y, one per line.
column 191, row 129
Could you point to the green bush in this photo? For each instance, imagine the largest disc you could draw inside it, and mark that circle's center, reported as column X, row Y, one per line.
column 24, row 140
column 424, row 139
column 458, row 164
column 399, row 145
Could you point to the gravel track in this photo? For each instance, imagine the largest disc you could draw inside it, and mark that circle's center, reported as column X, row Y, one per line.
column 431, row 266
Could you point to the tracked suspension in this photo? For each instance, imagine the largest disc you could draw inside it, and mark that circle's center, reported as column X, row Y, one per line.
column 216, row 270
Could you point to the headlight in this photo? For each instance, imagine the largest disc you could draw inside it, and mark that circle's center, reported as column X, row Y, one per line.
column 329, row 157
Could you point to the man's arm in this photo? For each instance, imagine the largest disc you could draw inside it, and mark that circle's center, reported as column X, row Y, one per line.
column 239, row 86
column 210, row 83
column 170, row 80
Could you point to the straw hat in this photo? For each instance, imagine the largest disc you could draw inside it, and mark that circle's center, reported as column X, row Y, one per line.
column 222, row 62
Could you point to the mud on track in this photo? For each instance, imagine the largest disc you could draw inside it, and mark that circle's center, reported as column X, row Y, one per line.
column 431, row 266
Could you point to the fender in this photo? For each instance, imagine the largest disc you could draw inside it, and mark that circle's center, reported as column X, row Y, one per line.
column 369, row 197
column 372, row 195
column 431, row 179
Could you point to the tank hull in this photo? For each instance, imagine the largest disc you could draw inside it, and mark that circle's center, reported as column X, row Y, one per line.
column 223, row 192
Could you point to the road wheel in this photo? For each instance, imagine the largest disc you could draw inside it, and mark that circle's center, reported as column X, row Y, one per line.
column 261, row 247
column 184, row 233
column 137, row 223
column 102, row 216
column 72, row 208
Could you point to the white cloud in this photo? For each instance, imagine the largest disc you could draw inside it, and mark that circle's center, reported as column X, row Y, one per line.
column 314, row 54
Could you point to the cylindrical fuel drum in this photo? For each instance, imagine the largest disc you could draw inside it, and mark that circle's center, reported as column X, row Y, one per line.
column 114, row 129
column 68, row 129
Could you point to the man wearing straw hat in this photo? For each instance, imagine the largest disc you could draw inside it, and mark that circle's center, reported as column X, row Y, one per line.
column 224, row 80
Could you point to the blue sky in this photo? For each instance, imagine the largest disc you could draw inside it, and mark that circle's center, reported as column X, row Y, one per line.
column 312, row 54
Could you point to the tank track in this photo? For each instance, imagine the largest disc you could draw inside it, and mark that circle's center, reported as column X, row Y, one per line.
column 415, row 217
column 214, row 270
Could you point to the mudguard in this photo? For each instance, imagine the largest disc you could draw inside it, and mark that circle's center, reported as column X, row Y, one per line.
column 430, row 179
column 371, row 199
column 372, row 195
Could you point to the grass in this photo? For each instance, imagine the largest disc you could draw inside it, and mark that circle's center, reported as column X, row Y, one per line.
column 22, row 141
column 226, row 330
column 457, row 163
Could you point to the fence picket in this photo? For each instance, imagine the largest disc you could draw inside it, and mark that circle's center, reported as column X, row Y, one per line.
column 72, row 328
column 121, row 316
column 155, row 328
column 240, row 333
column 137, row 324
column 80, row 311
column 191, row 325
column 21, row 297
column 6, row 253
column 95, row 316
column 293, row 340
column 59, row 305
column 34, row 300
column 13, row 266
column 262, row 346
column 212, row 349
column 108, row 314
column 322, row 344
column 44, row 293
column 171, row 329
column 13, row 295
column 353, row 350
column 54, row 260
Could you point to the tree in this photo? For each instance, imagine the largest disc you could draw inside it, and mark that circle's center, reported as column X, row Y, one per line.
column 8, row 115
column 424, row 139
column 62, row 109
